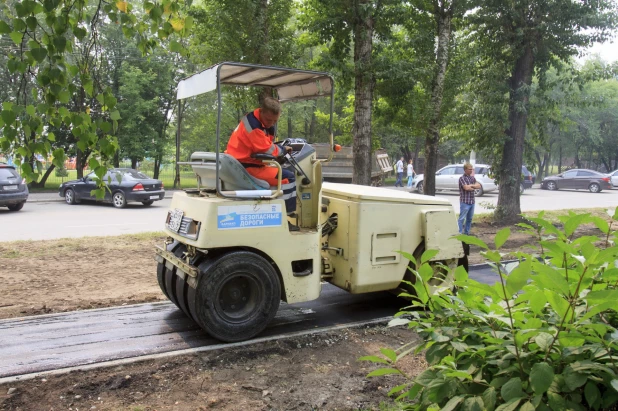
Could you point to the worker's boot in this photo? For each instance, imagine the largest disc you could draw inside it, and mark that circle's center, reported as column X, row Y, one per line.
column 293, row 227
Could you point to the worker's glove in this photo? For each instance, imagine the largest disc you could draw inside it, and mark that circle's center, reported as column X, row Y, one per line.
column 282, row 152
column 287, row 145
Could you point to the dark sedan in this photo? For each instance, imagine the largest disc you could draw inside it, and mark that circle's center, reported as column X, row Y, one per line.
column 527, row 177
column 13, row 188
column 133, row 187
column 578, row 179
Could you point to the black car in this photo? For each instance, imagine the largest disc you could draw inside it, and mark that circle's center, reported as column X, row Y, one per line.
column 528, row 177
column 13, row 188
column 578, row 179
column 133, row 186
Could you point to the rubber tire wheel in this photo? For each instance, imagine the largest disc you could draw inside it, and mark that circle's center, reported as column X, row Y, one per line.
column 478, row 192
column 16, row 207
column 161, row 268
column 148, row 202
column 521, row 189
column 234, row 277
column 594, row 188
column 552, row 186
column 69, row 197
column 419, row 187
column 409, row 275
column 119, row 200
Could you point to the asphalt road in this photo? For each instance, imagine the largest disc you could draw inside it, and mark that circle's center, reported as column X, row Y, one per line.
column 43, row 343
column 537, row 199
column 49, row 220
column 46, row 217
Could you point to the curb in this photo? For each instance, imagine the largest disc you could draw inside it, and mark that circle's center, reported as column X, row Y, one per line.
column 61, row 199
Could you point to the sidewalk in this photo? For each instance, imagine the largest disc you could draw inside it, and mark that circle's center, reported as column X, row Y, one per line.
column 54, row 196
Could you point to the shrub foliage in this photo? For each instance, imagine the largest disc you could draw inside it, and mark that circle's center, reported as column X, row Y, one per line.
column 543, row 337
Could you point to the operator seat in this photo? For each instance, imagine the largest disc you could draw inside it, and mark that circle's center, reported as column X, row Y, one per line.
column 232, row 174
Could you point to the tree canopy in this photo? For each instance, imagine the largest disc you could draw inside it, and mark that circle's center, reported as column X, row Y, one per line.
column 429, row 79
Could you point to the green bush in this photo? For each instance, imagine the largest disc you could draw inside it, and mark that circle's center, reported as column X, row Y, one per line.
column 542, row 338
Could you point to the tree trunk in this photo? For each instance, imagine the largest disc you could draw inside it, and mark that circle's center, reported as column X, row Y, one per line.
column 134, row 163
column 543, row 168
column 157, row 165
column 508, row 208
column 290, row 126
column 80, row 163
column 407, row 154
column 605, row 163
column 540, row 163
column 116, row 159
column 417, row 143
column 363, row 92
column 560, row 158
column 262, row 22
column 314, row 123
column 433, row 131
column 43, row 180
column 263, row 56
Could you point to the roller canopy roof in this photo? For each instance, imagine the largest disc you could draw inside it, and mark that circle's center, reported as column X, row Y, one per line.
column 291, row 84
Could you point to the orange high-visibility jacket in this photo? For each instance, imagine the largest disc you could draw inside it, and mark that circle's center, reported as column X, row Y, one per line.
column 252, row 137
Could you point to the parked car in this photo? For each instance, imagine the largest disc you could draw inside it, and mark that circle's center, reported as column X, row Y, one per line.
column 578, row 179
column 528, row 178
column 447, row 179
column 13, row 188
column 613, row 178
column 133, row 186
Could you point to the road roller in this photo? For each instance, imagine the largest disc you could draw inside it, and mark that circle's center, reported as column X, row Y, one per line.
column 229, row 257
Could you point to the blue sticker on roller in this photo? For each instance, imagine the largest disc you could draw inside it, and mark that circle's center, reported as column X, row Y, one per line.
column 306, row 196
column 249, row 216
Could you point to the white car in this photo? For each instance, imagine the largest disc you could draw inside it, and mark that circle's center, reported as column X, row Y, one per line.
column 447, row 179
column 613, row 177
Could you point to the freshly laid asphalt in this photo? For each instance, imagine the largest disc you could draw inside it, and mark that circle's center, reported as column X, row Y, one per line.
column 90, row 338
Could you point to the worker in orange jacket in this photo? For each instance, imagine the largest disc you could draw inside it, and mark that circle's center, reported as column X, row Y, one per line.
column 256, row 134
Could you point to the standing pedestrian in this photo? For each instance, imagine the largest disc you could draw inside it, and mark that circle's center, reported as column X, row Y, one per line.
column 467, row 185
column 399, row 167
column 410, row 173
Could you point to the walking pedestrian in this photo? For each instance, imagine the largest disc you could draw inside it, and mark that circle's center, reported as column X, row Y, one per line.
column 467, row 185
column 410, row 173
column 399, row 168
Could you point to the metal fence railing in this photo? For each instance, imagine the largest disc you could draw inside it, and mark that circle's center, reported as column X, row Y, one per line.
column 166, row 174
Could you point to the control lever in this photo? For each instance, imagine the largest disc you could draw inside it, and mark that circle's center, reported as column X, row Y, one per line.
column 296, row 166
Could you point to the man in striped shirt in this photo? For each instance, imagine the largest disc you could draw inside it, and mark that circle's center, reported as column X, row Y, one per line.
column 467, row 185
